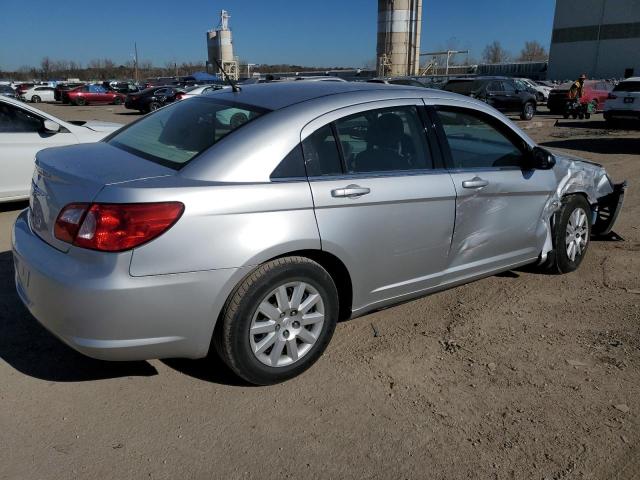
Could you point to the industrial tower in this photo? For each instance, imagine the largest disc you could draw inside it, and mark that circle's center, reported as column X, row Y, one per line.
column 220, row 47
column 399, row 28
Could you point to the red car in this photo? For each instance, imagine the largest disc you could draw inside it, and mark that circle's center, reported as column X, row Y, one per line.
column 92, row 94
column 594, row 91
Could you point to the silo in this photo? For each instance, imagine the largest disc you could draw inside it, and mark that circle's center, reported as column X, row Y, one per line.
column 220, row 45
column 399, row 29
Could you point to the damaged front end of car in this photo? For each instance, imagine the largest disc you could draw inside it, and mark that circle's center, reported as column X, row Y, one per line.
column 578, row 176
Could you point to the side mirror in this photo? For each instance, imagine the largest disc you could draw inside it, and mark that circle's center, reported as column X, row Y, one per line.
column 50, row 126
column 541, row 159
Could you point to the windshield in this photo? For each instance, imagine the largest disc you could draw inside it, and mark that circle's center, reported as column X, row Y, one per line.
column 628, row 86
column 174, row 135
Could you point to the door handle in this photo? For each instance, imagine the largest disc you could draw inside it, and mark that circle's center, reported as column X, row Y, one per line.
column 351, row 191
column 475, row 182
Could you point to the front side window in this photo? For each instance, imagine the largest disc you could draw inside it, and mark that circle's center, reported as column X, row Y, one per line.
column 476, row 141
column 628, row 86
column 16, row 120
column 174, row 135
column 384, row 140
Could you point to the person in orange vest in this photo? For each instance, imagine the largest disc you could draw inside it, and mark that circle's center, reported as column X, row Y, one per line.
column 577, row 89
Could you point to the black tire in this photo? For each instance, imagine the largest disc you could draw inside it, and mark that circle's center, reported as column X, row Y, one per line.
column 36, row 99
column 80, row 102
column 559, row 260
column 153, row 106
column 528, row 111
column 565, row 115
column 117, row 101
column 587, row 115
column 232, row 336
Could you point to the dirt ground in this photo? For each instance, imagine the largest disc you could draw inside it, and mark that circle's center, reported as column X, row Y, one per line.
column 517, row 376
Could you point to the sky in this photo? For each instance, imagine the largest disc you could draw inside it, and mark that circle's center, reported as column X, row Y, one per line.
column 311, row 33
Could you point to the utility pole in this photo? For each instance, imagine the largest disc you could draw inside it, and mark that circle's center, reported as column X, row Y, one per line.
column 135, row 61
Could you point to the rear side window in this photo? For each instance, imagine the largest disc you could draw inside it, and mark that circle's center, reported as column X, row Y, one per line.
column 174, row 135
column 632, row 86
column 321, row 155
column 464, row 87
column 384, row 140
column 475, row 141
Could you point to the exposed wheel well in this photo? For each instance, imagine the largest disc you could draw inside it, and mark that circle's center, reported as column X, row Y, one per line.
column 339, row 274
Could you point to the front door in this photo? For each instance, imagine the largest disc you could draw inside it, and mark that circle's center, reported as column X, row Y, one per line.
column 383, row 203
column 499, row 203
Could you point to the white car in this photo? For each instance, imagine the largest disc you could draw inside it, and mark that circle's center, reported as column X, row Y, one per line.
column 541, row 91
column 24, row 131
column 39, row 93
column 195, row 91
column 624, row 101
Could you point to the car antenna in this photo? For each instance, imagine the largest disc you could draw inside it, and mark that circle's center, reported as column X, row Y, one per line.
column 233, row 84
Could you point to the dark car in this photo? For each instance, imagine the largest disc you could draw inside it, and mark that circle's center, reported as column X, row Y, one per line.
column 7, row 91
column 64, row 87
column 500, row 92
column 151, row 99
column 594, row 91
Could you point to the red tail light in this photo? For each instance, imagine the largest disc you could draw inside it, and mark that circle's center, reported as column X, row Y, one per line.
column 612, row 96
column 115, row 227
column 179, row 96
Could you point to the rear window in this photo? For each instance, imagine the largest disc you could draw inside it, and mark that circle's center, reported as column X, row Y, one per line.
column 463, row 87
column 633, row 86
column 174, row 135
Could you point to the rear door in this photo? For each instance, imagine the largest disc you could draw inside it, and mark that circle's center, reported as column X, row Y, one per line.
column 21, row 136
column 499, row 204
column 496, row 96
column 383, row 202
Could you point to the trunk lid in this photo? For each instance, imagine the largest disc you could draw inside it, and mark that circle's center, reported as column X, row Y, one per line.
column 76, row 174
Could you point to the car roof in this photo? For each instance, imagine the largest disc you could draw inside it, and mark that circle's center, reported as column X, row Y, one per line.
column 274, row 96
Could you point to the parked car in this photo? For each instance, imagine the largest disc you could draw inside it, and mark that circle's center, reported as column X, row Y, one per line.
column 64, row 87
column 195, row 91
column 595, row 91
column 541, row 91
column 94, row 95
column 122, row 87
column 407, row 82
column 500, row 92
column 38, row 93
column 624, row 101
column 151, row 99
column 7, row 91
column 182, row 232
column 25, row 130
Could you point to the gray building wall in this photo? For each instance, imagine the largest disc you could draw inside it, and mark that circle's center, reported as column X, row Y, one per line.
column 598, row 37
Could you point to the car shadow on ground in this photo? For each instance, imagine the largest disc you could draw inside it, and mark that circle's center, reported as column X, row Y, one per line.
column 602, row 145
column 30, row 349
column 210, row 369
column 12, row 206
column 599, row 125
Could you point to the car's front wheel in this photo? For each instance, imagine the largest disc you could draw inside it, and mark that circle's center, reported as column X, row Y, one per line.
column 278, row 321
column 528, row 111
column 571, row 234
column 35, row 99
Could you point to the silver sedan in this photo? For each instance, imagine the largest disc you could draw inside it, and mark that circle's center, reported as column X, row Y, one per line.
column 253, row 221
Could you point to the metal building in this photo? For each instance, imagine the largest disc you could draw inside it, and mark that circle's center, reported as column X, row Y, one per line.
column 220, row 47
column 598, row 37
column 399, row 27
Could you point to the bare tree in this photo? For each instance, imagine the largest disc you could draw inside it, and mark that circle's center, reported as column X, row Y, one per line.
column 45, row 67
column 494, row 53
column 533, row 51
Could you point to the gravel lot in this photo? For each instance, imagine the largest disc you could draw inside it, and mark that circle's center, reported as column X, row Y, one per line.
column 518, row 376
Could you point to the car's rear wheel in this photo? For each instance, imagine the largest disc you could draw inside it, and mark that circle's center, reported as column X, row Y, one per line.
column 36, row 99
column 528, row 111
column 278, row 321
column 572, row 232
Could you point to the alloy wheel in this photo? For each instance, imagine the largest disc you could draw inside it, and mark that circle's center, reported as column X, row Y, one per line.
column 577, row 234
column 287, row 324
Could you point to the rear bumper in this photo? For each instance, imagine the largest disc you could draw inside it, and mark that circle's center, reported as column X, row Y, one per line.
column 91, row 303
column 613, row 113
